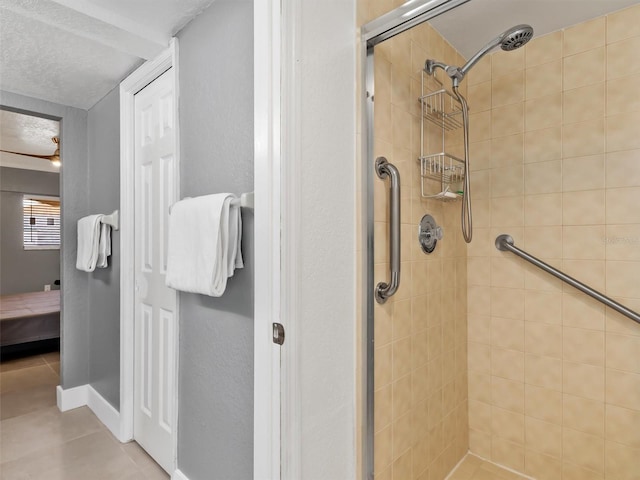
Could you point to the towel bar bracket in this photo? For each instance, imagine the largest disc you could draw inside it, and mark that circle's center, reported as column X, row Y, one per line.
column 245, row 200
column 113, row 220
column 503, row 239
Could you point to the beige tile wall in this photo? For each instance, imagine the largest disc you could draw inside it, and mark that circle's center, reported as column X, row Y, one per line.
column 554, row 377
column 421, row 420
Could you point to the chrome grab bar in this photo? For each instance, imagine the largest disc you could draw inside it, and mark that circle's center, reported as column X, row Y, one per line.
column 505, row 242
column 385, row 169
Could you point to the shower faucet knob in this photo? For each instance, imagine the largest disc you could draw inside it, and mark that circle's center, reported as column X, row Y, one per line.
column 429, row 233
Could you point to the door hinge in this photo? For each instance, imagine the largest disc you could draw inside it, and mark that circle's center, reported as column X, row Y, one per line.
column 278, row 333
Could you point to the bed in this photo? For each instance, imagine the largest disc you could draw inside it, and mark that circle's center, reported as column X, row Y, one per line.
column 29, row 317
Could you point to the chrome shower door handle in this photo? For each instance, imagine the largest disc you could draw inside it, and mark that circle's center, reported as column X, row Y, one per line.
column 385, row 169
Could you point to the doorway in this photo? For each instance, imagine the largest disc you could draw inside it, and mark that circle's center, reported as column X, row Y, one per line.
column 31, row 235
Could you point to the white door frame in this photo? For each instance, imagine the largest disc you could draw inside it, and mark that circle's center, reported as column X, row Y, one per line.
column 135, row 82
column 267, row 177
column 277, row 448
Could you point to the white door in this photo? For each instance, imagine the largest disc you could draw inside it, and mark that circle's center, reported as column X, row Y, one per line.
column 155, row 304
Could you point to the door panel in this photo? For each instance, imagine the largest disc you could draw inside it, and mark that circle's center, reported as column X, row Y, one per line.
column 156, row 304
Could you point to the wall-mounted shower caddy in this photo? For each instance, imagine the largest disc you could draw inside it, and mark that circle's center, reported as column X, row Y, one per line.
column 442, row 109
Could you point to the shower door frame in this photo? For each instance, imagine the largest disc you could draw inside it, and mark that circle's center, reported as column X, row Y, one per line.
column 377, row 31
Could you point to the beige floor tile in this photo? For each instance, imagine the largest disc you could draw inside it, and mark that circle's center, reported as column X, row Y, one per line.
column 25, row 401
column 51, row 357
column 500, row 472
column 97, row 456
column 29, row 433
column 474, row 468
column 154, row 472
column 461, row 474
column 487, row 474
column 136, row 453
column 55, row 367
column 25, row 378
column 466, row 469
column 38, row 442
column 24, row 362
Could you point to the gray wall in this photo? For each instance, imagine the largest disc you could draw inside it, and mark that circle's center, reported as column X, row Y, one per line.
column 89, row 183
column 215, row 424
column 24, row 270
column 74, row 195
column 104, row 283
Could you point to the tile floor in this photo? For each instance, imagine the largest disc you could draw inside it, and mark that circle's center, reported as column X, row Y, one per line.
column 474, row 468
column 39, row 442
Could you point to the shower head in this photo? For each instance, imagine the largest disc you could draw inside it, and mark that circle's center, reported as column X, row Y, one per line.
column 515, row 37
column 508, row 40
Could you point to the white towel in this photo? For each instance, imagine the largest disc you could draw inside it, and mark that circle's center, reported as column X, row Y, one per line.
column 204, row 244
column 88, row 242
column 104, row 246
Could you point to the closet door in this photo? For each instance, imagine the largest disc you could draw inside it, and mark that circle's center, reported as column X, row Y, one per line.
column 155, row 304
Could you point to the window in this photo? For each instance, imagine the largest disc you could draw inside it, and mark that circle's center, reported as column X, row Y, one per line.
column 41, row 222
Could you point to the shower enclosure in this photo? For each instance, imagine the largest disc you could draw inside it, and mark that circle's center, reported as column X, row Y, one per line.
column 478, row 351
column 417, row 345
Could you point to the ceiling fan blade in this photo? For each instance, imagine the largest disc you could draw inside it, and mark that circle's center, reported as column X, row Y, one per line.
column 51, row 203
column 46, row 157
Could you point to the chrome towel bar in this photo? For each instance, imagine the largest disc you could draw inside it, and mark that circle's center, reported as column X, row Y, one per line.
column 505, row 243
column 385, row 169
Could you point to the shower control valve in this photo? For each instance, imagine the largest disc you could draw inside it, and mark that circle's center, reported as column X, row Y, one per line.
column 429, row 233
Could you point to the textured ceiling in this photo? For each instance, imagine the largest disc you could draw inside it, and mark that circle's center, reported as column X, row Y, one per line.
column 471, row 25
column 73, row 52
column 27, row 134
column 42, row 61
column 166, row 16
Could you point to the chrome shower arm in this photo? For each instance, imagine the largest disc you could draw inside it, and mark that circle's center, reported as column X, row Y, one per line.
column 511, row 39
column 457, row 73
column 508, row 40
column 476, row 58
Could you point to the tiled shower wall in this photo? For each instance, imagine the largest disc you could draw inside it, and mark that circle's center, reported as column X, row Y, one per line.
column 554, row 377
column 421, row 421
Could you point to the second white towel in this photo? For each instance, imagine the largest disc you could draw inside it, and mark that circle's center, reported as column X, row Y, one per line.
column 205, row 234
column 104, row 246
column 94, row 243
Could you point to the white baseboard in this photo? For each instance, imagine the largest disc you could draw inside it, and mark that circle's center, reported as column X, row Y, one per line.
column 71, row 398
column 105, row 412
column 178, row 475
column 86, row 395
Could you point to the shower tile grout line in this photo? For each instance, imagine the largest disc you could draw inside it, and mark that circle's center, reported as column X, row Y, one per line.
column 482, row 459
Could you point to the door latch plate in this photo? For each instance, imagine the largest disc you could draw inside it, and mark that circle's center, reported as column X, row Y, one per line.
column 278, row 333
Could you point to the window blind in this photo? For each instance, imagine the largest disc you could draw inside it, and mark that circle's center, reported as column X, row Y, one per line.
column 41, row 223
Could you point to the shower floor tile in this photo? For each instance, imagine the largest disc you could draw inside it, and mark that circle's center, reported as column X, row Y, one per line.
column 474, row 468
